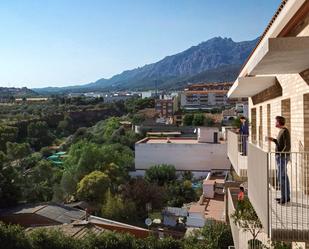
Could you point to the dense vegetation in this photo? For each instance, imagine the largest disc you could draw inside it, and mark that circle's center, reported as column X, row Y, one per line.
column 26, row 174
column 212, row 236
column 95, row 167
column 197, row 119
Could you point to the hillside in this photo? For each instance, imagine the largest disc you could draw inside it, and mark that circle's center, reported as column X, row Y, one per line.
column 7, row 92
column 218, row 59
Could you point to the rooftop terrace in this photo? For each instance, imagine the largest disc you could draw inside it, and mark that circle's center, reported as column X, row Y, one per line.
column 164, row 140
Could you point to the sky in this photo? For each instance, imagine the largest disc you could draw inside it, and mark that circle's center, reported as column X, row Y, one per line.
column 72, row 42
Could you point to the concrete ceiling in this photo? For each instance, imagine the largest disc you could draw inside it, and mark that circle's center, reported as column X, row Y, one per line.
column 284, row 55
column 249, row 86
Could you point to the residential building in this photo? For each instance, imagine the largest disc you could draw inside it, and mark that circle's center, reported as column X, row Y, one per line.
column 206, row 96
column 31, row 100
column 275, row 78
column 57, row 216
column 76, row 229
column 228, row 116
column 184, row 153
column 164, row 107
column 118, row 96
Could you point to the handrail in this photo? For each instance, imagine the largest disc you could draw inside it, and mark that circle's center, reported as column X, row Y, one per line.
column 278, row 185
column 237, row 150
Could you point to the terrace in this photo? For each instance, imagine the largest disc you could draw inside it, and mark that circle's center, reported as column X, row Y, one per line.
column 164, row 140
column 289, row 221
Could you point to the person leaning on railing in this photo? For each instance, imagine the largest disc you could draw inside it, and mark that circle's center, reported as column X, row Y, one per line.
column 283, row 149
column 244, row 133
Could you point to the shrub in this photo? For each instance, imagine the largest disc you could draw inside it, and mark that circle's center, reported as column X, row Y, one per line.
column 161, row 174
column 93, row 186
column 52, row 239
column 198, row 119
column 12, row 237
column 116, row 208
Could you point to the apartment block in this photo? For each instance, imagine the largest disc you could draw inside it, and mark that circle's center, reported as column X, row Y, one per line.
column 164, row 107
column 207, row 95
column 275, row 78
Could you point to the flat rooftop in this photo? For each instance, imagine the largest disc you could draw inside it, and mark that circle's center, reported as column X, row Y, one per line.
column 164, row 140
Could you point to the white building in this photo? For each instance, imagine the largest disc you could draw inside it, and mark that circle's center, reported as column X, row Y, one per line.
column 183, row 153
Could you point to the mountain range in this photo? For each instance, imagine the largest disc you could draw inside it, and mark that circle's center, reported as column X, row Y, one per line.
column 215, row 60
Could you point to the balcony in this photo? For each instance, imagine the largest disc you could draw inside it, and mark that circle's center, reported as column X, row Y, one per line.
column 240, row 237
column 284, row 222
column 235, row 153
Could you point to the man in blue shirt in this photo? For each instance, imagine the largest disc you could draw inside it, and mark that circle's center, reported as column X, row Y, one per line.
column 244, row 133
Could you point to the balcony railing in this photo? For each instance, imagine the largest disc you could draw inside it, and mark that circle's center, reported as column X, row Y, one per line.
column 241, row 237
column 234, row 228
column 271, row 176
column 237, row 151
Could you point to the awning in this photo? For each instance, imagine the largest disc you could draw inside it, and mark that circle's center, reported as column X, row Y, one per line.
column 250, row 86
column 283, row 55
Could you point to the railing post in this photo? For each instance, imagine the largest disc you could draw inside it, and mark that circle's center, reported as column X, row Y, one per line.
column 268, row 196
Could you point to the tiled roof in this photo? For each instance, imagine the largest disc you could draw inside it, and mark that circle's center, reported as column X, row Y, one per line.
column 58, row 213
column 77, row 229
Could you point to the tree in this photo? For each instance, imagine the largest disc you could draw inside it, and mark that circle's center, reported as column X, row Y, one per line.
column 126, row 138
column 137, row 119
column 214, row 235
column 143, row 192
column 198, row 119
column 187, row 175
column 65, row 126
column 40, row 181
column 47, row 151
column 10, row 187
column 180, row 193
column 109, row 240
column 85, row 157
column 161, row 174
column 31, row 160
column 110, row 125
column 39, row 134
column 188, row 119
column 17, row 151
column 116, row 175
column 93, row 187
column 13, row 237
column 209, row 121
column 165, row 243
column 7, row 134
column 246, row 218
column 116, row 208
column 133, row 105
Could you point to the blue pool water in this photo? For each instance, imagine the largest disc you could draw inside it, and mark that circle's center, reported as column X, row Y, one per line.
column 196, row 185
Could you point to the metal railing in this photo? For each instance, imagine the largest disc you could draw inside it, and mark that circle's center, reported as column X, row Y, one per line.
column 278, row 188
column 243, row 238
column 237, row 152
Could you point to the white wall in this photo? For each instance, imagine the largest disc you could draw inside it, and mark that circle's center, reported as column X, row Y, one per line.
column 202, row 156
column 206, row 134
